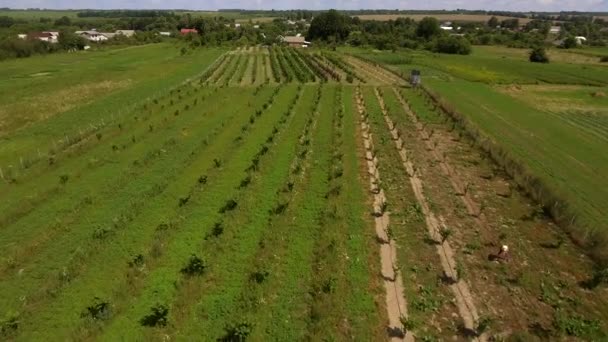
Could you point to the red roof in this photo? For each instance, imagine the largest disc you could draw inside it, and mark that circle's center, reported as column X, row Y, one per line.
column 188, row 30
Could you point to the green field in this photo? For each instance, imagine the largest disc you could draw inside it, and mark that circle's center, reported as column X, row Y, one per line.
column 238, row 194
column 101, row 233
column 552, row 118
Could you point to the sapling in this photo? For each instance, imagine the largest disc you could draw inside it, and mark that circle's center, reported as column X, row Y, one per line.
column 445, row 233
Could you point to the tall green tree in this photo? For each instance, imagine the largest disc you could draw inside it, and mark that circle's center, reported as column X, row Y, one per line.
column 493, row 22
column 329, row 26
column 428, row 28
column 71, row 41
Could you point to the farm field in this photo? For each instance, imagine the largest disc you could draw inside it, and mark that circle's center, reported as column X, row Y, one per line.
column 548, row 119
column 273, row 194
column 441, row 17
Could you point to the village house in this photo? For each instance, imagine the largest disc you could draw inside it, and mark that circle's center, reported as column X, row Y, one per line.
column 295, row 41
column 555, row 29
column 186, row 31
column 126, row 33
column 46, row 36
column 446, row 26
column 164, row 33
column 93, row 36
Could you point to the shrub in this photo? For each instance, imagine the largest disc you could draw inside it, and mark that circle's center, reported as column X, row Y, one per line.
column 245, row 182
column 184, row 200
column 157, row 316
column 445, row 233
column 99, row 310
column 138, row 261
column 452, row 45
column 202, row 179
column 604, row 59
column 569, row 43
column 237, row 332
column 63, row 179
column 195, row 266
column 9, row 324
column 218, row 229
column 259, row 276
column 539, row 55
column 229, row 206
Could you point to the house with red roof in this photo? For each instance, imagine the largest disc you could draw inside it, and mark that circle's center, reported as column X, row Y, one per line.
column 186, row 31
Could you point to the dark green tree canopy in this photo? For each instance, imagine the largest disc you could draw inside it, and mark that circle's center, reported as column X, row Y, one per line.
column 539, row 55
column 453, row 45
column 493, row 22
column 329, row 24
column 428, row 28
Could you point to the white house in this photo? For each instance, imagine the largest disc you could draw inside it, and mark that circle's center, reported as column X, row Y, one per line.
column 22, row 36
column 555, row 29
column 93, row 36
column 164, row 33
column 446, row 26
column 580, row 40
column 47, row 36
column 126, row 33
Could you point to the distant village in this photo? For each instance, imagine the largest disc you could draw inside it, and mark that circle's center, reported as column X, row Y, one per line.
column 95, row 36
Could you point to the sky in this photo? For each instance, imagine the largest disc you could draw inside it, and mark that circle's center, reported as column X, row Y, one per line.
column 511, row 5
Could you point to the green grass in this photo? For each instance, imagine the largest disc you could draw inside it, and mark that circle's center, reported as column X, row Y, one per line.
column 59, row 95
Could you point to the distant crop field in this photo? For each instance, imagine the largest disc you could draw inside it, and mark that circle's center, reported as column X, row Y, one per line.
column 33, row 14
column 255, row 19
column 440, row 17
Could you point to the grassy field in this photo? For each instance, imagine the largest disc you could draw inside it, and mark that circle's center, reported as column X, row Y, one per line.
column 209, row 208
column 59, row 97
column 278, row 194
column 440, row 17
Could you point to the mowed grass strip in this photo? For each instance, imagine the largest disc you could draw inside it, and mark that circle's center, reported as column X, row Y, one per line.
column 78, row 248
column 162, row 284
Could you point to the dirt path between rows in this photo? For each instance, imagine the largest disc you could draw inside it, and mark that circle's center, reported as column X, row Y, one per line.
column 396, row 304
column 464, row 300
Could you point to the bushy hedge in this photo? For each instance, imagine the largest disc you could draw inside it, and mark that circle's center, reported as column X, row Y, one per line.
column 452, row 45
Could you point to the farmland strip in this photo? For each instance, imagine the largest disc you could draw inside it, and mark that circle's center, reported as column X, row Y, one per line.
column 460, row 289
column 393, row 281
